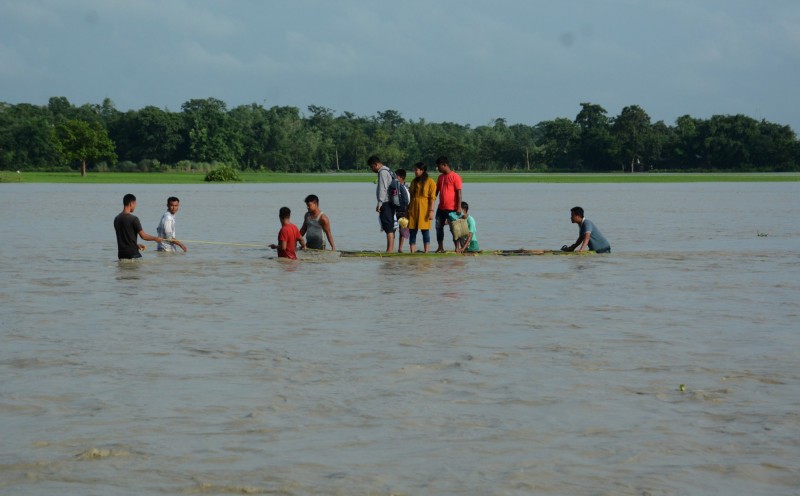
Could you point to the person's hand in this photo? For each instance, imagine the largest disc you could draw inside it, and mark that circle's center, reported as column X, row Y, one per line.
column 142, row 247
column 273, row 246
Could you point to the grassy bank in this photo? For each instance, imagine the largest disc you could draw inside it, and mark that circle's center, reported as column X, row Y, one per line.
column 353, row 177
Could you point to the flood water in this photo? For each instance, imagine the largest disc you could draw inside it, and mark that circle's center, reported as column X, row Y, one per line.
column 227, row 371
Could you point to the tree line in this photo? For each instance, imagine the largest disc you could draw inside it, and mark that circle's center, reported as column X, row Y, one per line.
column 205, row 133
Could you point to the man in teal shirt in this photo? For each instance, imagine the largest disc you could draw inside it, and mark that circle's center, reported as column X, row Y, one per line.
column 589, row 235
column 468, row 243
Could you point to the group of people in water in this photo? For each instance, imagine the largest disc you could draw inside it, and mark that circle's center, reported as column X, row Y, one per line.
column 315, row 224
column 129, row 229
column 415, row 214
column 422, row 194
column 418, row 216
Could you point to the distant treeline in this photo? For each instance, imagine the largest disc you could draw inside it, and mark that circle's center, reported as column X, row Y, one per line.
column 61, row 136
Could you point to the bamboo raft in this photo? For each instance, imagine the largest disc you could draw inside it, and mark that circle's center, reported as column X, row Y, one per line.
column 496, row 253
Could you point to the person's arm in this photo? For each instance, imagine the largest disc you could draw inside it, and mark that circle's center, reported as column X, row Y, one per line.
column 572, row 246
column 383, row 188
column 147, row 237
column 431, row 201
column 168, row 229
column 304, row 227
column 326, row 226
column 302, row 243
column 458, row 202
column 585, row 241
column 473, row 229
column 175, row 242
column 465, row 245
column 582, row 238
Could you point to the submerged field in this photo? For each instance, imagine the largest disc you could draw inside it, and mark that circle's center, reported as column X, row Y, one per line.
column 667, row 367
column 357, row 177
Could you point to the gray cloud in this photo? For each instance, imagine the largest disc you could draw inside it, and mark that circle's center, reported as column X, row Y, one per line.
column 461, row 61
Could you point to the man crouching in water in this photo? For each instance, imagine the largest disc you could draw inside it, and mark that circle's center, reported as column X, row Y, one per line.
column 588, row 234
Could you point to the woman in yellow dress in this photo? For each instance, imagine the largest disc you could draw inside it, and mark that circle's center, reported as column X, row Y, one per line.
column 420, row 209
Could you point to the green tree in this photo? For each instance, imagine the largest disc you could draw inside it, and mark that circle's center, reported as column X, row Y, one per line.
column 390, row 119
column 597, row 146
column 253, row 126
column 321, row 125
column 452, row 141
column 726, row 141
column 660, row 136
column 634, row 136
column 774, row 148
column 406, row 140
column 287, row 144
column 683, row 150
column 559, row 141
column 491, row 144
column 84, row 142
column 352, row 142
column 60, row 109
column 211, row 137
column 253, row 137
column 27, row 137
column 153, row 133
column 388, row 138
column 523, row 149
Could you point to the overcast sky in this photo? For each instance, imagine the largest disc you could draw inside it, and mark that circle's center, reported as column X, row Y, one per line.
column 461, row 61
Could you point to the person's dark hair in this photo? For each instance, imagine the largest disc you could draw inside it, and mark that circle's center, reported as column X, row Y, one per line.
column 442, row 161
column 172, row 199
column 311, row 198
column 284, row 213
column 577, row 211
column 422, row 177
column 374, row 159
column 400, row 173
column 128, row 199
column 464, row 206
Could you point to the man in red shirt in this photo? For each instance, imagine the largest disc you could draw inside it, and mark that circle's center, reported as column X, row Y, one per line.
column 448, row 189
column 288, row 236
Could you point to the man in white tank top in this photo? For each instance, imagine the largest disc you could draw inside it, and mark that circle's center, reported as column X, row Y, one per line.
column 314, row 224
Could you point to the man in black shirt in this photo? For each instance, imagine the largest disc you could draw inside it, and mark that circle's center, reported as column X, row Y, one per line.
column 128, row 228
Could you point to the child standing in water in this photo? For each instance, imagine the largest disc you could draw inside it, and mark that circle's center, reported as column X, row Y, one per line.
column 402, row 216
column 288, row 236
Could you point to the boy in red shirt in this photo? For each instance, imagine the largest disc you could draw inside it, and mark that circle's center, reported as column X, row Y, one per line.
column 288, row 236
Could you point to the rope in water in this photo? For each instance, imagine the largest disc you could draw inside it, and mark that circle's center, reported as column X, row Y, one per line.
column 222, row 243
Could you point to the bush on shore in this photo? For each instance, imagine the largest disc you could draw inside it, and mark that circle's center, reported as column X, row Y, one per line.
column 223, row 174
